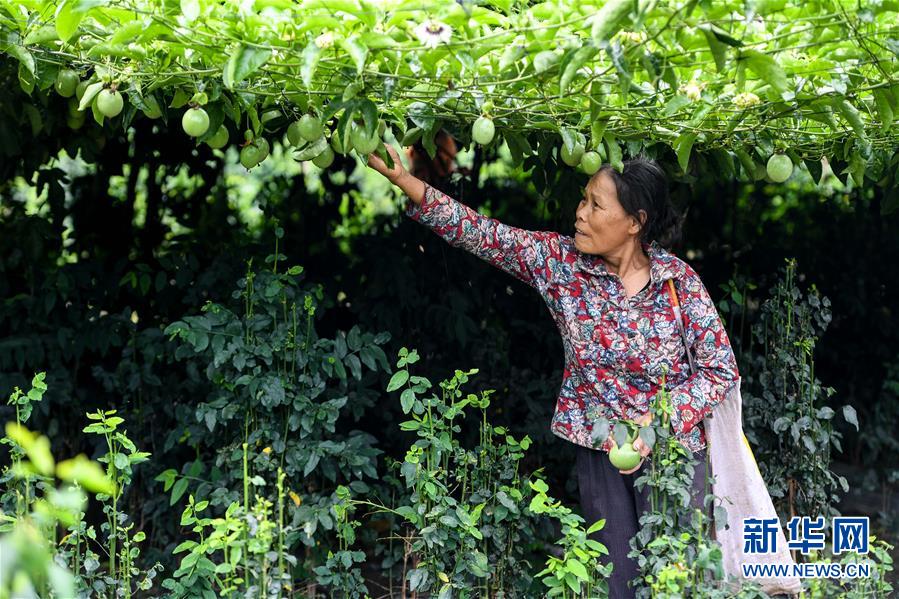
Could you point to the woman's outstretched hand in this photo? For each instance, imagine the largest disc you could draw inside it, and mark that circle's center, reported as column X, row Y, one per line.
column 393, row 174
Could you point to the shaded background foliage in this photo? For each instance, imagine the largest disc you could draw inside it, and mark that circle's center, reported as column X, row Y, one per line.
column 94, row 270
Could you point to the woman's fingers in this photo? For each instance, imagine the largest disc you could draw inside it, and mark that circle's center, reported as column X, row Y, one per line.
column 377, row 163
column 642, row 447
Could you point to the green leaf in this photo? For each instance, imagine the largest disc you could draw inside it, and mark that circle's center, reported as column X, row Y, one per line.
column 607, row 20
column 884, row 109
column 850, row 416
column 815, row 168
column 749, row 166
column 676, row 102
column 576, row 60
column 407, row 399
column 311, row 463
column 399, row 378
column 357, row 51
column 86, row 473
column 723, row 36
column 683, row 145
column 569, row 140
column 766, row 67
column 24, row 57
column 599, row 524
column 128, row 32
column 184, row 546
column 312, row 150
column 614, row 151
column 577, row 568
column 190, row 9
column 90, row 92
column 375, row 40
column 67, row 20
column 41, row 35
column 120, row 460
column 26, row 79
column 167, row 477
column 244, row 62
column 717, row 48
column 311, row 55
column 178, row 490
column 852, row 116
column 545, row 60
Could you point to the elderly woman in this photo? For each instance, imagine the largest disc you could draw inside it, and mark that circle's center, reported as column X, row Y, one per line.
column 606, row 290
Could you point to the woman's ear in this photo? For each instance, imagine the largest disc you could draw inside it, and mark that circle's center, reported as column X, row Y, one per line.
column 639, row 223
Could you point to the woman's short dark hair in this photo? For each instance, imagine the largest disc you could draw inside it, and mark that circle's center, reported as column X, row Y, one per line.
column 643, row 185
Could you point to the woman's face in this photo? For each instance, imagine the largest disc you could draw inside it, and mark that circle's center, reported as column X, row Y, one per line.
column 602, row 225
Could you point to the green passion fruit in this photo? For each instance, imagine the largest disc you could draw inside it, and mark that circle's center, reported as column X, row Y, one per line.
column 483, row 130
column 109, row 102
column 309, row 127
column 572, row 158
column 364, row 144
column 324, row 159
column 218, row 139
column 624, row 457
column 779, row 167
column 195, row 121
column 293, row 134
column 79, row 89
column 66, row 83
column 337, row 144
column 590, row 162
column 254, row 152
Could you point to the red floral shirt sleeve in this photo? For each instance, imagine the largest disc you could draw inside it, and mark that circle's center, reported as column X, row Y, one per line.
column 716, row 365
column 521, row 253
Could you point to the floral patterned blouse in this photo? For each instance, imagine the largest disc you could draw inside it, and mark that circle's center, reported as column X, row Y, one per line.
column 616, row 347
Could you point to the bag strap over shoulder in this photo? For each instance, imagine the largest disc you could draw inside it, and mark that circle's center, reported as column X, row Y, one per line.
column 678, row 318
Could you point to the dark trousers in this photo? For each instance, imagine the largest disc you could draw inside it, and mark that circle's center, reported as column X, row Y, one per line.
column 606, row 493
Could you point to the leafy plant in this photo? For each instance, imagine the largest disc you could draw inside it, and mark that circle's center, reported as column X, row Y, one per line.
column 121, row 545
column 578, row 571
column 785, row 404
column 464, row 506
column 673, row 547
column 279, row 390
column 34, row 564
column 242, row 552
column 789, row 83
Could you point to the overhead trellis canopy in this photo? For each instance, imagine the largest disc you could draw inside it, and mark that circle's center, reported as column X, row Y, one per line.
column 736, row 81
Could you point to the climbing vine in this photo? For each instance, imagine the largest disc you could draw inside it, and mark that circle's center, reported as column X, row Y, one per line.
column 757, row 87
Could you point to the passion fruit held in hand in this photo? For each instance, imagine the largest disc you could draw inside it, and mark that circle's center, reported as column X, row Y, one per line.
column 362, row 143
column 625, row 457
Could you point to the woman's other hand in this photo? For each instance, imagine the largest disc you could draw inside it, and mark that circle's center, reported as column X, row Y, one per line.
column 639, row 445
column 393, row 174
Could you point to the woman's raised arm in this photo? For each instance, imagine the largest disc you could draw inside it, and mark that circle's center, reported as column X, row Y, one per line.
column 527, row 255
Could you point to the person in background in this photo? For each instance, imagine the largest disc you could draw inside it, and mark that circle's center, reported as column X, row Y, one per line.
column 605, row 287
